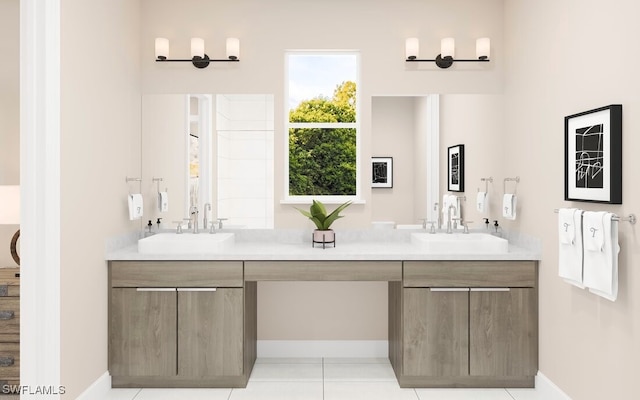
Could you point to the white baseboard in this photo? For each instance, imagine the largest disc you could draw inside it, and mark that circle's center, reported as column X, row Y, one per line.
column 548, row 389
column 323, row 348
column 98, row 389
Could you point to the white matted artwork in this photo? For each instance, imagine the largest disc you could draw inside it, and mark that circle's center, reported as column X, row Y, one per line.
column 593, row 155
column 382, row 172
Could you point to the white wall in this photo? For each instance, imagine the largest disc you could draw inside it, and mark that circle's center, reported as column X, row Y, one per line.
column 244, row 152
column 9, row 111
column 100, row 145
column 566, row 57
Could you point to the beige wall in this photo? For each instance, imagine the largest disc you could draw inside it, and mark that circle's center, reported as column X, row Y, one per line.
column 100, row 145
column 565, row 57
column 477, row 122
column 9, row 111
column 392, row 131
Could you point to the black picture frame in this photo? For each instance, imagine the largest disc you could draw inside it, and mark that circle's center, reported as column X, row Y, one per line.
column 455, row 168
column 381, row 172
column 593, row 155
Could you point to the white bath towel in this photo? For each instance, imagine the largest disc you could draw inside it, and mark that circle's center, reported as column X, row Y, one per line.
column 594, row 235
column 509, row 203
column 570, row 260
column 135, row 206
column 482, row 202
column 163, row 201
column 601, row 266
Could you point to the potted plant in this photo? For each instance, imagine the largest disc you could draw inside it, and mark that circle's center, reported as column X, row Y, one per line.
column 318, row 214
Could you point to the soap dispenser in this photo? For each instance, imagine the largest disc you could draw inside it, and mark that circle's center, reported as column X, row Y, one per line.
column 159, row 225
column 149, row 228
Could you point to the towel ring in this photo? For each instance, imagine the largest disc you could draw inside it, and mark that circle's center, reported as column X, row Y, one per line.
column 158, row 180
column 129, row 180
column 504, row 184
column 486, row 183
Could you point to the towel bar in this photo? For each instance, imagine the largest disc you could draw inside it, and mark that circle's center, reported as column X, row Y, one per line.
column 631, row 218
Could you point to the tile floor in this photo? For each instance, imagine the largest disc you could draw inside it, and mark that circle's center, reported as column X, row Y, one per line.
column 324, row 379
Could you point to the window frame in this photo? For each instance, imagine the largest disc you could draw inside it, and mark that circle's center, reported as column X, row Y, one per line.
column 327, row 199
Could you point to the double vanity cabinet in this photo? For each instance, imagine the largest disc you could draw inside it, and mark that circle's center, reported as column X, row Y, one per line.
column 451, row 323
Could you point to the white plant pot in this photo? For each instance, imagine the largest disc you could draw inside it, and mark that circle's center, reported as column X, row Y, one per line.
column 324, row 236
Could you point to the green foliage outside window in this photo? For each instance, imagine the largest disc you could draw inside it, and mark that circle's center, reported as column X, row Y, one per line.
column 322, row 161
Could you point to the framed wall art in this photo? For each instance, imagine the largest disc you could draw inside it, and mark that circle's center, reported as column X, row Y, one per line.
column 455, row 162
column 382, row 172
column 593, row 155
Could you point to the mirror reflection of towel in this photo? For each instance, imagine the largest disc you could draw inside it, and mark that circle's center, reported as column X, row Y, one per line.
column 509, row 203
column 135, row 206
column 481, row 202
column 163, row 201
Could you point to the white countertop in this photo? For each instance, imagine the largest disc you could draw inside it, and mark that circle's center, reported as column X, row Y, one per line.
column 389, row 245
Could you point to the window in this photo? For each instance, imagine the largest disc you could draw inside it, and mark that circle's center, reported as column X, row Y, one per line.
column 322, row 123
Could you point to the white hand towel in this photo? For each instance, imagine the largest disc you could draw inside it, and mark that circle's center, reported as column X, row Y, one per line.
column 601, row 267
column 509, row 203
column 163, row 201
column 567, row 225
column 594, row 235
column 570, row 260
column 135, row 206
column 481, row 202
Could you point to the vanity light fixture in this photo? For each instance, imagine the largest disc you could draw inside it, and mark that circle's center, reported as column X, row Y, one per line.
column 199, row 58
column 446, row 58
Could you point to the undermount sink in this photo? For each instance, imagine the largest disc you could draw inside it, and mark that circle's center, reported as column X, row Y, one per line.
column 185, row 243
column 460, row 243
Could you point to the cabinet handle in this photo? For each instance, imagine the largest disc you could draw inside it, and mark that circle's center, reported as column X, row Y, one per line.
column 6, row 315
column 157, row 289
column 197, row 289
column 6, row 361
column 449, row 289
column 495, row 289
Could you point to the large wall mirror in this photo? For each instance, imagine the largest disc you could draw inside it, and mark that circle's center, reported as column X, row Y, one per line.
column 209, row 149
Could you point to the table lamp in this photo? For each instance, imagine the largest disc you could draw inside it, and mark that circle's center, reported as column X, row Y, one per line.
column 10, row 214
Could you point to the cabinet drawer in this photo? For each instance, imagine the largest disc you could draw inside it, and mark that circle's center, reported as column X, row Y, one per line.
column 176, row 273
column 469, row 274
column 9, row 361
column 9, row 318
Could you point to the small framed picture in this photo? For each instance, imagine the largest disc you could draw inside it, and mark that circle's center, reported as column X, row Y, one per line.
column 593, row 155
column 455, row 161
column 382, row 172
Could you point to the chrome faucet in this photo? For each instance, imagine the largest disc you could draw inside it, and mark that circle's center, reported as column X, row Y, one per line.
column 205, row 220
column 194, row 217
column 450, row 218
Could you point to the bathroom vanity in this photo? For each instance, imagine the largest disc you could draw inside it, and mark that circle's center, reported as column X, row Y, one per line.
column 455, row 320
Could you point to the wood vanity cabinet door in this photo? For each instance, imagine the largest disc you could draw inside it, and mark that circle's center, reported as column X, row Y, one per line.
column 143, row 332
column 436, row 332
column 210, row 332
column 503, row 332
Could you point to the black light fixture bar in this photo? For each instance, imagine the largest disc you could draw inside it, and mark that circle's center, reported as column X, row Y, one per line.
column 446, row 62
column 197, row 47
column 483, row 46
column 198, row 62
